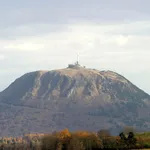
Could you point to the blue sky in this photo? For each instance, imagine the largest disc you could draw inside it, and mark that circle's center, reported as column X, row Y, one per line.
column 45, row 34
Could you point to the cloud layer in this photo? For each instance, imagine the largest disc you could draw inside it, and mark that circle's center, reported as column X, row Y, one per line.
column 106, row 35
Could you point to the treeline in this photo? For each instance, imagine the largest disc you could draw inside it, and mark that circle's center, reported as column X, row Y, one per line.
column 26, row 142
column 79, row 140
column 83, row 140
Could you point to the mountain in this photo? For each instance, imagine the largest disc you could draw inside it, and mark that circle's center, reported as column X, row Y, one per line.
column 76, row 98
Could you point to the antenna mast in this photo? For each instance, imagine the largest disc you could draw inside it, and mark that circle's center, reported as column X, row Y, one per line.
column 77, row 58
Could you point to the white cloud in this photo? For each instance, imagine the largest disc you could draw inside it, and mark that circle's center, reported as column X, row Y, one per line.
column 23, row 46
column 2, row 57
column 121, row 47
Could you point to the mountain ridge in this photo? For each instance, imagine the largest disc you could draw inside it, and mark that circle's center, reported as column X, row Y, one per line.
column 62, row 98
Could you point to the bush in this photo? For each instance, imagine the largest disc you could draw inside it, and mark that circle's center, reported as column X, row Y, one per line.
column 49, row 142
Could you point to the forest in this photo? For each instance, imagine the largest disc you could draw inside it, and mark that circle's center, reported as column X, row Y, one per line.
column 79, row 140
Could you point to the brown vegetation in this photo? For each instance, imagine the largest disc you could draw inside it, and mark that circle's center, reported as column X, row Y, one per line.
column 79, row 140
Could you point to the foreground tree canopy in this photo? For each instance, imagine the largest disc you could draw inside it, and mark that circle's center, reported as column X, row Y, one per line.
column 79, row 140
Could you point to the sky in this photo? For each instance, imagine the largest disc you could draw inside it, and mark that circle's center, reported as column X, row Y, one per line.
column 47, row 34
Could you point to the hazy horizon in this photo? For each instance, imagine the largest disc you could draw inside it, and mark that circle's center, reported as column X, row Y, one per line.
column 107, row 35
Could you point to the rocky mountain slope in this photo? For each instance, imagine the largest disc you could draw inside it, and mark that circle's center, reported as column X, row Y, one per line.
column 74, row 98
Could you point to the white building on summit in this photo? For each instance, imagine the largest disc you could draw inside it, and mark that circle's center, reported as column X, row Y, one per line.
column 76, row 65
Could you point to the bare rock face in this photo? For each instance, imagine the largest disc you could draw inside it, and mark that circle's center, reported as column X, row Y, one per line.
column 74, row 98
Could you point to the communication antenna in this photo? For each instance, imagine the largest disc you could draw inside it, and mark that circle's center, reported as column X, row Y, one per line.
column 77, row 58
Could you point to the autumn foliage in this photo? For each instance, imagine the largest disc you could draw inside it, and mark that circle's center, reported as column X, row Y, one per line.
column 79, row 140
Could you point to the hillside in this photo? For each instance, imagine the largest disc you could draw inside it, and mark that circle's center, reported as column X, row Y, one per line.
column 74, row 98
